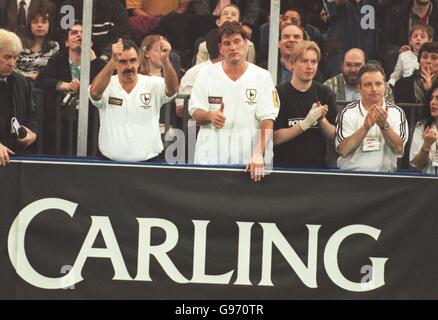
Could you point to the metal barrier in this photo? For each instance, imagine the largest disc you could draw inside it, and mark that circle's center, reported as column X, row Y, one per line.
column 39, row 99
column 66, row 123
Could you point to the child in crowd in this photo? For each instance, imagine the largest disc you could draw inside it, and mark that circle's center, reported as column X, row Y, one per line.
column 408, row 59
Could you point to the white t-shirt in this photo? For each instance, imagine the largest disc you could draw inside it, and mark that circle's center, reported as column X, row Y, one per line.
column 188, row 80
column 247, row 101
column 407, row 63
column 351, row 119
column 417, row 143
column 129, row 122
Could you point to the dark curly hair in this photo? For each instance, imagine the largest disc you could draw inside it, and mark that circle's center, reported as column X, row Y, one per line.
column 427, row 115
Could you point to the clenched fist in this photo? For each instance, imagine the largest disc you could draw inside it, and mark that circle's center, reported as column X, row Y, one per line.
column 117, row 50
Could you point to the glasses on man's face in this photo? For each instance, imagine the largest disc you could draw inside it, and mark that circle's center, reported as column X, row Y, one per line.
column 353, row 65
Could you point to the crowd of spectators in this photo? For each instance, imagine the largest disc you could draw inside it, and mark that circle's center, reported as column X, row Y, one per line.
column 394, row 38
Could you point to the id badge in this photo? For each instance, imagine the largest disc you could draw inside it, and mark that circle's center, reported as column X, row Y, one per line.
column 371, row 144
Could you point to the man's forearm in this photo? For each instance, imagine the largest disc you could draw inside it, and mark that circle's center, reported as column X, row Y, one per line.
column 170, row 78
column 266, row 128
column 351, row 143
column 201, row 117
column 421, row 159
column 328, row 130
column 393, row 140
column 102, row 80
column 287, row 134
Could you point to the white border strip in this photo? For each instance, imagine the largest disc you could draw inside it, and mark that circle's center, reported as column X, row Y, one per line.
column 200, row 168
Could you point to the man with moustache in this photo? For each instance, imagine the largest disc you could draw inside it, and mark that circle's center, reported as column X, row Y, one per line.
column 129, row 104
column 307, row 113
column 345, row 85
column 371, row 132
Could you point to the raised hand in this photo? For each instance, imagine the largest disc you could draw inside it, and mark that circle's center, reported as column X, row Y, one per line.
column 426, row 77
column 370, row 119
column 381, row 116
column 314, row 115
column 430, row 137
column 117, row 50
column 165, row 49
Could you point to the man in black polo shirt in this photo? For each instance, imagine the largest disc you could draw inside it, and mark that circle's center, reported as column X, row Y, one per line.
column 307, row 113
column 15, row 101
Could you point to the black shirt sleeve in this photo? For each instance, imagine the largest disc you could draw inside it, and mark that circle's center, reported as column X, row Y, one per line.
column 281, row 121
column 331, row 103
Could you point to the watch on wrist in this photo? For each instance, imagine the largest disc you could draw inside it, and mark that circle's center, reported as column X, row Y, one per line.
column 385, row 126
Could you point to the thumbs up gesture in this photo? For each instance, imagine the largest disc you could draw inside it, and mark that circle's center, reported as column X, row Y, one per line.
column 165, row 49
column 117, row 50
column 217, row 118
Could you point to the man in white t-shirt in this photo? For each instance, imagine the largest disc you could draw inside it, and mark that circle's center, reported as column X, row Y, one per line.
column 371, row 132
column 235, row 102
column 129, row 104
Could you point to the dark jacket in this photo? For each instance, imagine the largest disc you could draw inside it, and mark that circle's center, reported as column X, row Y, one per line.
column 58, row 69
column 22, row 108
column 110, row 22
column 396, row 25
column 11, row 12
column 249, row 9
column 22, row 101
column 346, row 27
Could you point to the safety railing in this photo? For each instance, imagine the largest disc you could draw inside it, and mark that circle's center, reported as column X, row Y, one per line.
column 66, row 119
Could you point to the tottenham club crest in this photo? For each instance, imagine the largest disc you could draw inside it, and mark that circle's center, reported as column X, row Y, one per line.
column 146, row 99
column 251, row 94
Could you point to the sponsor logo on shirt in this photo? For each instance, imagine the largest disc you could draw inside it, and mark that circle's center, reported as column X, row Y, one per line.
column 214, row 100
column 115, row 101
column 275, row 99
column 251, row 94
column 145, row 99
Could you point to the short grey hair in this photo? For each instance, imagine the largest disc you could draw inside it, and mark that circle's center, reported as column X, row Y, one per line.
column 9, row 40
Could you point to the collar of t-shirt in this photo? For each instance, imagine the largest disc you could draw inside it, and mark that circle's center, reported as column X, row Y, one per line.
column 364, row 111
